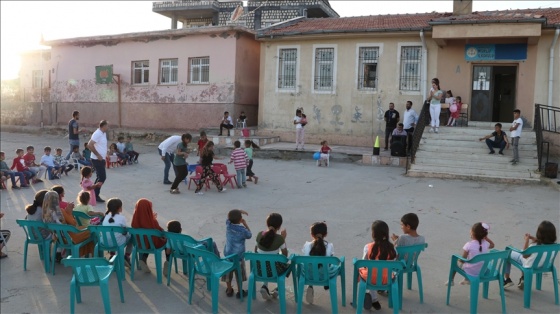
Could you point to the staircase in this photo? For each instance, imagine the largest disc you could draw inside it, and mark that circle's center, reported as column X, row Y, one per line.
column 456, row 152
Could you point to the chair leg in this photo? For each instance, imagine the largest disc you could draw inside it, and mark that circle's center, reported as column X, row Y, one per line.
column 395, row 298
column 104, row 286
column 25, row 256
column 46, row 255
column 299, row 296
column 53, row 259
column 343, row 287
column 333, row 292
column 502, row 294
column 528, row 278
column 538, row 282
column 360, row 302
column 282, row 295
column 191, row 285
column 157, row 256
column 251, row 293
column 475, row 285
column 420, row 289
column 133, row 262
column 450, row 279
column 72, row 297
column 485, row 290
column 409, row 281
column 554, row 281
column 215, row 289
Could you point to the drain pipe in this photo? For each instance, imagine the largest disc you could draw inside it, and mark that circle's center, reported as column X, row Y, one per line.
column 424, row 65
column 551, row 67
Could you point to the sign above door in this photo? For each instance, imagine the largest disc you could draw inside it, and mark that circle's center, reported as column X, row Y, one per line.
column 492, row 52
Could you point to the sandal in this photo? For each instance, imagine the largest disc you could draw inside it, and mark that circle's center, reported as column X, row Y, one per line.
column 229, row 292
column 237, row 295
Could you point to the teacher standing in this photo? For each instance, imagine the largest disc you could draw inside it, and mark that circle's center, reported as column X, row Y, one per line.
column 167, row 150
column 74, row 132
column 98, row 146
column 435, row 105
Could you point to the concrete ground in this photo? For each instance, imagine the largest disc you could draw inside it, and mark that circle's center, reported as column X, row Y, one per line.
column 349, row 197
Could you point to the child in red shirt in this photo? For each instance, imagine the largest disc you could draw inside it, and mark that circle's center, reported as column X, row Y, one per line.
column 37, row 170
column 201, row 142
column 325, row 151
column 19, row 164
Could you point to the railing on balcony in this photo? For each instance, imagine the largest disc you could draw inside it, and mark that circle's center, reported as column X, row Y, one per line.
column 320, row 3
column 186, row 4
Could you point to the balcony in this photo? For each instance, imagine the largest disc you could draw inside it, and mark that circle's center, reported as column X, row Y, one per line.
column 187, row 9
column 315, row 8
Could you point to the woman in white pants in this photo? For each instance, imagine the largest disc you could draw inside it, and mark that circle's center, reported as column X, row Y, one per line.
column 300, row 131
column 435, row 105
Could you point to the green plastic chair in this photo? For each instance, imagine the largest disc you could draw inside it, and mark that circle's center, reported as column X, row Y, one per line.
column 409, row 256
column 105, row 235
column 79, row 216
column 91, row 272
column 178, row 241
column 63, row 240
column 33, row 235
column 319, row 271
column 360, row 285
column 143, row 242
column 544, row 263
column 208, row 265
column 490, row 271
column 259, row 262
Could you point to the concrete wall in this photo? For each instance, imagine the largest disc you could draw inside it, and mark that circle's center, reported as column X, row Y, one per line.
column 347, row 115
column 247, row 78
column 554, row 145
column 543, row 59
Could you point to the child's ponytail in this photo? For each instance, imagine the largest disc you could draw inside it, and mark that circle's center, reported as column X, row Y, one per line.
column 480, row 231
column 382, row 249
column 274, row 222
column 319, row 232
column 113, row 206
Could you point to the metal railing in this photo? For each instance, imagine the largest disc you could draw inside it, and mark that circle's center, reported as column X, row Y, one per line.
column 423, row 120
column 546, row 119
column 185, row 3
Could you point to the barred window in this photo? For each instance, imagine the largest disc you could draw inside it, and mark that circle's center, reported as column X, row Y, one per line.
column 324, row 69
column 199, row 70
column 169, row 70
column 140, row 72
column 37, row 79
column 410, row 68
column 287, row 66
column 367, row 74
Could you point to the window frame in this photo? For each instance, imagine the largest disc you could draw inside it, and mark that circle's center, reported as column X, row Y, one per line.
column 199, row 66
column 143, row 71
column 401, row 64
column 280, row 70
column 359, row 68
column 37, row 79
column 332, row 89
column 171, row 67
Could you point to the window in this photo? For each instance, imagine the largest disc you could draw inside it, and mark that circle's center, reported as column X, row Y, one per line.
column 199, row 70
column 367, row 73
column 324, row 69
column 169, row 70
column 411, row 57
column 37, row 80
column 287, row 67
column 140, row 72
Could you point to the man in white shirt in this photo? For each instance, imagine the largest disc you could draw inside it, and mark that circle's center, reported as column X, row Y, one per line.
column 409, row 122
column 226, row 122
column 98, row 146
column 167, row 151
column 515, row 134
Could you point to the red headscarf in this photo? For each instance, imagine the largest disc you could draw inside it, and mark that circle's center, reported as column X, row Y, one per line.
column 143, row 217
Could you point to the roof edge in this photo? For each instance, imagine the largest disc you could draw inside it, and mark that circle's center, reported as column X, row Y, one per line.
column 260, row 32
column 539, row 20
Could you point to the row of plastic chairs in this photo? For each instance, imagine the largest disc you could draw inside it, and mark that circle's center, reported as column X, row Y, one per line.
column 220, row 170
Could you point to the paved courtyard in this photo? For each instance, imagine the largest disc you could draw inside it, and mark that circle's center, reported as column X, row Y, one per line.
column 349, row 197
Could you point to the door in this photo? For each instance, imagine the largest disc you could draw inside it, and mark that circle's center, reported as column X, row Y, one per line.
column 493, row 93
column 481, row 100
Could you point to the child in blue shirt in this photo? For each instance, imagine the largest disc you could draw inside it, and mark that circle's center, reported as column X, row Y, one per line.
column 237, row 231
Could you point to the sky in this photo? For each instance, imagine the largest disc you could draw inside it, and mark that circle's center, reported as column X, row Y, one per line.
column 24, row 22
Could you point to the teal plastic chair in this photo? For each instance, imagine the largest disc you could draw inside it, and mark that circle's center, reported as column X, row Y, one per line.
column 178, row 241
column 492, row 263
column 544, row 263
column 409, row 256
column 79, row 216
column 33, row 235
column 259, row 262
column 63, row 240
column 359, row 285
column 319, row 271
column 104, row 235
column 143, row 242
column 91, row 272
column 208, row 265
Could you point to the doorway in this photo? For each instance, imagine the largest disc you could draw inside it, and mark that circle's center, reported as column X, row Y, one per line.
column 493, row 93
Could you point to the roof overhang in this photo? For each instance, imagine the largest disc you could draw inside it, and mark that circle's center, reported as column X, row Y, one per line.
column 443, row 32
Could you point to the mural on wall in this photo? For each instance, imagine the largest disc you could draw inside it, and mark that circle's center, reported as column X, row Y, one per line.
column 357, row 117
column 336, row 111
column 317, row 114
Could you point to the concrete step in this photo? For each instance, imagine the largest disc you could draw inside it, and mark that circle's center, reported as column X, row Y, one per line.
column 216, row 131
column 471, row 143
column 478, row 157
column 498, row 163
column 472, row 137
column 438, row 171
column 524, row 152
column 475, row 177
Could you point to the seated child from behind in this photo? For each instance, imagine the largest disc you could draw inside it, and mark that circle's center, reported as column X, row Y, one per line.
column 61, row 161
column 409, row 223
column 84, row 207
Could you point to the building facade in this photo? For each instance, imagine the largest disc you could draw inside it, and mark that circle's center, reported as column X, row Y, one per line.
column 344, row 72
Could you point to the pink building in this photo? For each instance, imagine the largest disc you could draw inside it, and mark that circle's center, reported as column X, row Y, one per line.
column 172, row 79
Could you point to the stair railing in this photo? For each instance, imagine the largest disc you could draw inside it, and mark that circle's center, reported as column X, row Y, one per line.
column 423, row 120
column 546, row 119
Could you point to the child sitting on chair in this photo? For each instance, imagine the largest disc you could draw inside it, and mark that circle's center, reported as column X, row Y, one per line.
column 84, row 207
column 62, row 162
column 78, row 157
column 325, row 151
column 129, row 150
column 121, row 150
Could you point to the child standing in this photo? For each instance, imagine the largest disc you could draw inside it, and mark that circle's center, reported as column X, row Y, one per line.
column 201, row 142
column 479, row 244
column 62, row 162
column 38, row 170
column 240, row 161
column 515, row 134
column 249, row 146
column 409, row 223
column 546, row 234
column 83, row 201
column 455, row 114
column 237, row 231
column 206, row 159
column 113, row 217
column 270, row 242
column 381, row 249
column 129, row 150
column 325, row 151
column 318, row 247
column 88, row 186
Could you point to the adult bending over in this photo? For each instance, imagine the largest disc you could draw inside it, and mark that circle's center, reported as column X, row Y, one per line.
column 167, row 152
column 98, row 146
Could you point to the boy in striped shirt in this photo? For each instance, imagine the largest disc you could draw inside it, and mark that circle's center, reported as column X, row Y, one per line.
column 240, row 161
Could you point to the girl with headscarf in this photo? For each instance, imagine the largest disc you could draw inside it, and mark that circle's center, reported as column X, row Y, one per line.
column 144, row 217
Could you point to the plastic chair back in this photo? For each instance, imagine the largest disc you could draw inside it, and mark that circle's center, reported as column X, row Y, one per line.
column 379, row 267
column 546, row 254
column 179, row 243
column 81, row 217
column 259, row 264
column 409, row 256
column 105, row 236
column 33, row 235
column 144, row 239
column 317, row 270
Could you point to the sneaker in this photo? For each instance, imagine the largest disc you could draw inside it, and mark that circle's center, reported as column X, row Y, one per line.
column 174, row 191
column 15, row 187
column 239, row 186
column 368, row 302
column 25, row 186
column 167, row 182
column 447, row 283
column 199, row 193
column 265, row 293
column 309, row 295
column 274, row 293
column 437, row 131
column 256, row 180
column 376, row 304
column 165, row 268
column 223, row 190
column 244, row 185
column 37, row 181
column 513, row 163
column 431, row 130
column 501, row 153
column 508, row 283
column 100, row 200
column 512, row 160
column 521, row 283
column 144, row 266
column 238, row 295
column 492, row 152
